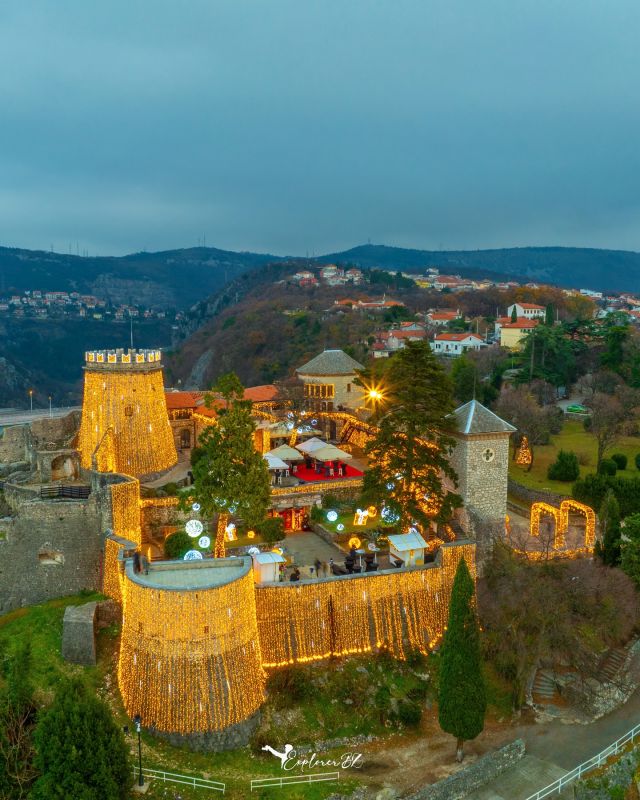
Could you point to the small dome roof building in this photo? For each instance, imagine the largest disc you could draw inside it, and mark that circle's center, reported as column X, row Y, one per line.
column 329, row 381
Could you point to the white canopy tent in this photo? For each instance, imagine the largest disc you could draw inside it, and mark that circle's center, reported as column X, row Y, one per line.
column 266, row 567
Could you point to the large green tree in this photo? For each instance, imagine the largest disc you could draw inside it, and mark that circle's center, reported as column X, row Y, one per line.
column 409, row 454
column 80, row 749
column 230, row 476
column 462, row 699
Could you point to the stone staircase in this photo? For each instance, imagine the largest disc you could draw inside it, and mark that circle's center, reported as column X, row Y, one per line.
column 611, row 663
column 545, row 688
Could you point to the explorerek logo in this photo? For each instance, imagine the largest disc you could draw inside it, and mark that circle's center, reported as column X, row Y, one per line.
column 289, row 759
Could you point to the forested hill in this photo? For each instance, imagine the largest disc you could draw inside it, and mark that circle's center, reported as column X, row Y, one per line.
column 602, row 270
column 170, row 279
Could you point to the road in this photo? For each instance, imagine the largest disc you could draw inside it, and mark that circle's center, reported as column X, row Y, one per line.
column 18, row 416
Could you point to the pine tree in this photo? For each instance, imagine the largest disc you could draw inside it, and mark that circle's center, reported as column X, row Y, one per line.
column 80, row 750
column 462, row 700
column 548, row 314
column 514, row 314
column 609, row 516
column 409, row 454
column 465, row 378
column 230, row 476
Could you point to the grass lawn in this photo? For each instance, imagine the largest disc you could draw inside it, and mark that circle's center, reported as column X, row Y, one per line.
column 573, row 437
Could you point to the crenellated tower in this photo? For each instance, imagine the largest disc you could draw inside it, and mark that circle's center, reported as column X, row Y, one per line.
column 125, row 426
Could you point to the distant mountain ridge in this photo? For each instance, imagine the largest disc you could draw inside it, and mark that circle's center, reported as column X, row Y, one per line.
column 171, row 278
column 178, row 278
column 579, row 267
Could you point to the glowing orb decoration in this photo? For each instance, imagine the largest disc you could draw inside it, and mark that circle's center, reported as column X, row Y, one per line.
column 332, row 516
column 193, row 555
column 194, row 528
column 314, row 422
column 372, row 511
column 289, row 426
column 251, row 534
column 388, row 515
column 204, row 542
column 413, row 530
column 391, row 485
column 290, row 414
column 196, row 507
column 233, row 508
column 253, row 551
column 230, row 532
column 340, row 526
column 354, row 542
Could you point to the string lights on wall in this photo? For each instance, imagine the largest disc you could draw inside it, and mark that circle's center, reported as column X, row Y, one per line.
column 190, row 660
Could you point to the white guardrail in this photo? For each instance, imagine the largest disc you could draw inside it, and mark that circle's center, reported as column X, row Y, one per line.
column 288, row 780
column 575, row 774
column 187, row 780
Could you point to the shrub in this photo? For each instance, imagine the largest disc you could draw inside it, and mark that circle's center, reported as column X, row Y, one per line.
column 409, row 713
column 564, row 468
column 271, row 530
column 592, row 488
column 637, row 460
column 620, row 460
column 330, row 501
column 416, row 659
column 607, row 467
column 176, row 545
column 290, row 685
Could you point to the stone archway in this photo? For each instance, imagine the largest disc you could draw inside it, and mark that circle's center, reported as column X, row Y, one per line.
column 64, row 467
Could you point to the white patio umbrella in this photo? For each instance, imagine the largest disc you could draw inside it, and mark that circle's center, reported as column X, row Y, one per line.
column 286, row 453
column 273, row 462
column 311, row 444
column 330, row 453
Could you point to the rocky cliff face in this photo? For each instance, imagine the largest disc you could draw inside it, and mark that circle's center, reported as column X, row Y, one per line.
column 148, row 293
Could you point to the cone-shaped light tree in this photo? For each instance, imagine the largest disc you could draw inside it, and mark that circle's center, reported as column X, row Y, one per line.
column 462, row 699
column 230, row 476
column 409, row 455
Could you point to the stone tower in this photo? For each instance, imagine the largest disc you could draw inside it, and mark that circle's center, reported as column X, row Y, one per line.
column 125, row 426
column 481, row 459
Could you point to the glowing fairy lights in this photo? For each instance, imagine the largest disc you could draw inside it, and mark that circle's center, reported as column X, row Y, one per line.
column 190, row 660
column 125, row 426
column 524, row 456
column 561, row 519
column 398, row 610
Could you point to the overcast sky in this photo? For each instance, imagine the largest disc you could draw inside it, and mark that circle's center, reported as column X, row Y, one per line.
column 288, row 126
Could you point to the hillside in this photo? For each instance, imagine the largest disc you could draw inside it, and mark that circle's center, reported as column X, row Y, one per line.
column 274, row 327
column 602, row 270
column 170, row 279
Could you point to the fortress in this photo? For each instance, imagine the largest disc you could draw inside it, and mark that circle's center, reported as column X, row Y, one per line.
column 199, row 636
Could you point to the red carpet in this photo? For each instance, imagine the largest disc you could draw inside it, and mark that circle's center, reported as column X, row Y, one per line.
column 310, row 475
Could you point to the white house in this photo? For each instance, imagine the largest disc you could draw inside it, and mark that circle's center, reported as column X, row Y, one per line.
column 526, row 310
column 455, row 344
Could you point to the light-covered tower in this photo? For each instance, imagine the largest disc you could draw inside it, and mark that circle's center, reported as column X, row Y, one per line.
column 125, row 427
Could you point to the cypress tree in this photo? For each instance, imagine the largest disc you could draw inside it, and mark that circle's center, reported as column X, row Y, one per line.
column 609, row 515
column 462, row 700
column 80, row 750
column 514, row 314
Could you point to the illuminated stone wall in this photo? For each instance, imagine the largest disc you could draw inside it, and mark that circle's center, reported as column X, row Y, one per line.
column 125, row 426
column 397, row 609
column 190, row 661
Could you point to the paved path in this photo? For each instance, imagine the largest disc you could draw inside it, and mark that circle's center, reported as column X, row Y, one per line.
column 306, row 546
column 17, row 416
column 556, row 748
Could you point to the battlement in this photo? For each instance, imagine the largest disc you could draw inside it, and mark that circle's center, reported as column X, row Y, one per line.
column 122, row 359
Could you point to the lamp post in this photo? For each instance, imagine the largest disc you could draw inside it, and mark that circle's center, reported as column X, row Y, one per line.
column 50, row 413
column 31, row 398
column 138, row 723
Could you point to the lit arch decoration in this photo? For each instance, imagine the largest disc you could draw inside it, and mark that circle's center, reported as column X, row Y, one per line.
column 561, row 519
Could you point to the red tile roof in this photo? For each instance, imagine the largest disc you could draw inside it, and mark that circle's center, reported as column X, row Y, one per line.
column 531, row 306
column 178, row 400
column 522, row 323
column 456, row 337
column 261, row 394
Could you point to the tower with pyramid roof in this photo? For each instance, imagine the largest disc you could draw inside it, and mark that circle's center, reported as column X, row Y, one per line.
column 481, row 459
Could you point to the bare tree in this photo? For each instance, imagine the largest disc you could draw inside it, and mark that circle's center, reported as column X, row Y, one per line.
column 605, row 422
